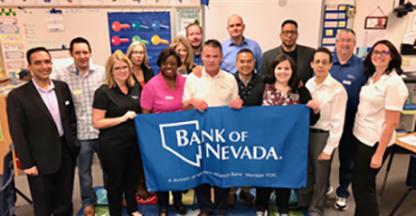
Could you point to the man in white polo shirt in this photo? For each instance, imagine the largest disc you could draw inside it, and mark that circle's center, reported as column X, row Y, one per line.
column 215, row 87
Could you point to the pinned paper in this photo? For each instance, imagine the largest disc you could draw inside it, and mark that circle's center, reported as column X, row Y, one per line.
column 55, row 21
column 329, row 33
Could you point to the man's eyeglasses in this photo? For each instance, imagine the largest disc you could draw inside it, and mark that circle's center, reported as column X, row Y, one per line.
column 289, row 32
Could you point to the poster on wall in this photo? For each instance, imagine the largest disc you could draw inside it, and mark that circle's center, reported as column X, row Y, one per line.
column 185, row 16
column 150, row 28
column 11, row 45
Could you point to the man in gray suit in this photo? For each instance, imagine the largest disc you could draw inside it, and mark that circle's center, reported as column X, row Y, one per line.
column 302, row 55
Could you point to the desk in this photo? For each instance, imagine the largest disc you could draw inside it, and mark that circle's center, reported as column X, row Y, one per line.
column 5, row 139
column 398, row 147
column 406, row 145
column 412, row 165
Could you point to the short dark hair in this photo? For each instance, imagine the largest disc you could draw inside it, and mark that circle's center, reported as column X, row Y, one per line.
column 322, row 50
column 395, row 62
column 245, row 50
column 33, row 50
column 289, row 21
column 294, row 79
column 165, row 54
column 78, row 40
column 195, row 23
column 213, row 43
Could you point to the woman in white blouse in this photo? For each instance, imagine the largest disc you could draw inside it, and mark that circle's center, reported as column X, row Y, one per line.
column 381, row 100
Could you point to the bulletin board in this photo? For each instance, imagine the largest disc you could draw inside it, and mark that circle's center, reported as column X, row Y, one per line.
column 335, row 17
column 54, row 28
column 150, row 28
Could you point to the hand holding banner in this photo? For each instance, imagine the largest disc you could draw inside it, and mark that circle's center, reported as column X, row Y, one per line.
column 254, row 146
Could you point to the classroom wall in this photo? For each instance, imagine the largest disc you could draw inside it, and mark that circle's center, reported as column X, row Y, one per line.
column 396, row 27
column 263, row 19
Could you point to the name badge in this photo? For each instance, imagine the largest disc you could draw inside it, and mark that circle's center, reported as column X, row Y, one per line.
column 135, row 97
column 169, row 97
column 346, row 82
column 77, row 92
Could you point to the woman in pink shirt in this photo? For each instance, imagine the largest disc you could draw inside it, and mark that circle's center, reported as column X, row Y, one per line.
column 163, row 93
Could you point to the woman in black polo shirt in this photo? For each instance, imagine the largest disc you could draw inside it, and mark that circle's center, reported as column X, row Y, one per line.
column 115, row 105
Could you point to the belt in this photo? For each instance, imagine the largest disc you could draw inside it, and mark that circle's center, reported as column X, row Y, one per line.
column 315, row 130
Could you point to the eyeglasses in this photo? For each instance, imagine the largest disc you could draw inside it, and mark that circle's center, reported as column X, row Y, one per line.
column 137, row 52
column 323, row 62
column 349, row 40
column 381, row 53
column 289, row 32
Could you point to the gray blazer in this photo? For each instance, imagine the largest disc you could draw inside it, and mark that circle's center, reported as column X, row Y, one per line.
column 303, row 68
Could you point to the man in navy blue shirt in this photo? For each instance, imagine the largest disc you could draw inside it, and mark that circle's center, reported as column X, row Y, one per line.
column 237, row 41
column 347, row 68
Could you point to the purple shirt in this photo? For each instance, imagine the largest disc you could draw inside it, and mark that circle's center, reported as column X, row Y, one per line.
column 51, row 101
column 158, row 97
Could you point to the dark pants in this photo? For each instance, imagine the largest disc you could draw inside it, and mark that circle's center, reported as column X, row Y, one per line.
column 52, row 193
column 364, row 180
column 163, row 199
column 346, row 150
column 203, row 194
column 120, row 161
column 314, row 194
column 282, row 199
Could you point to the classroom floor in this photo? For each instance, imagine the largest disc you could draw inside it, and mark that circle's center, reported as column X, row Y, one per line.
column 394, row 190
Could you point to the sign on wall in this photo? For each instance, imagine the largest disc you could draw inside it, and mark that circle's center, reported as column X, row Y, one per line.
column 150, row 28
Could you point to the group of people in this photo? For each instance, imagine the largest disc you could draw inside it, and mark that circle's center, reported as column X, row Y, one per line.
column 59, row 123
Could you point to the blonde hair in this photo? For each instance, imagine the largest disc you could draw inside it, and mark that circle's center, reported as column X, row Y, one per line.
column 189, row 61
column 118, row 55
column 145, row 62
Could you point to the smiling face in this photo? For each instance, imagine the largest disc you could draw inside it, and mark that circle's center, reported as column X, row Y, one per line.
column 245, row 63
column 345, row 43
column 40, row 65
column 81, row 54
column 381, row 56
column 182, row 52
column 194, row 35
column 137, row 55
column 283, row 72
column 169, row 67
column 321, row 64
column 121, row 71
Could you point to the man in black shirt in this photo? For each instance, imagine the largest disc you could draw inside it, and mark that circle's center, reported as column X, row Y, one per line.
column 250, row 89
column 302, row 55
column 250, row 85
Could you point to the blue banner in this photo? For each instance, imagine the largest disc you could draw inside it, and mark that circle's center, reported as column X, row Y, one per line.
column 256, row 146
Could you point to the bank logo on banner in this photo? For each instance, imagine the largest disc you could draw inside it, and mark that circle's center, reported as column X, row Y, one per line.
column 185, row 140
column 256, row 146
column 192, row 154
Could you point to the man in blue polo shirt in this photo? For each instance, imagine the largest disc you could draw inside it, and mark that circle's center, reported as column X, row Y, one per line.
column 347, row 68
column 237, row 41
